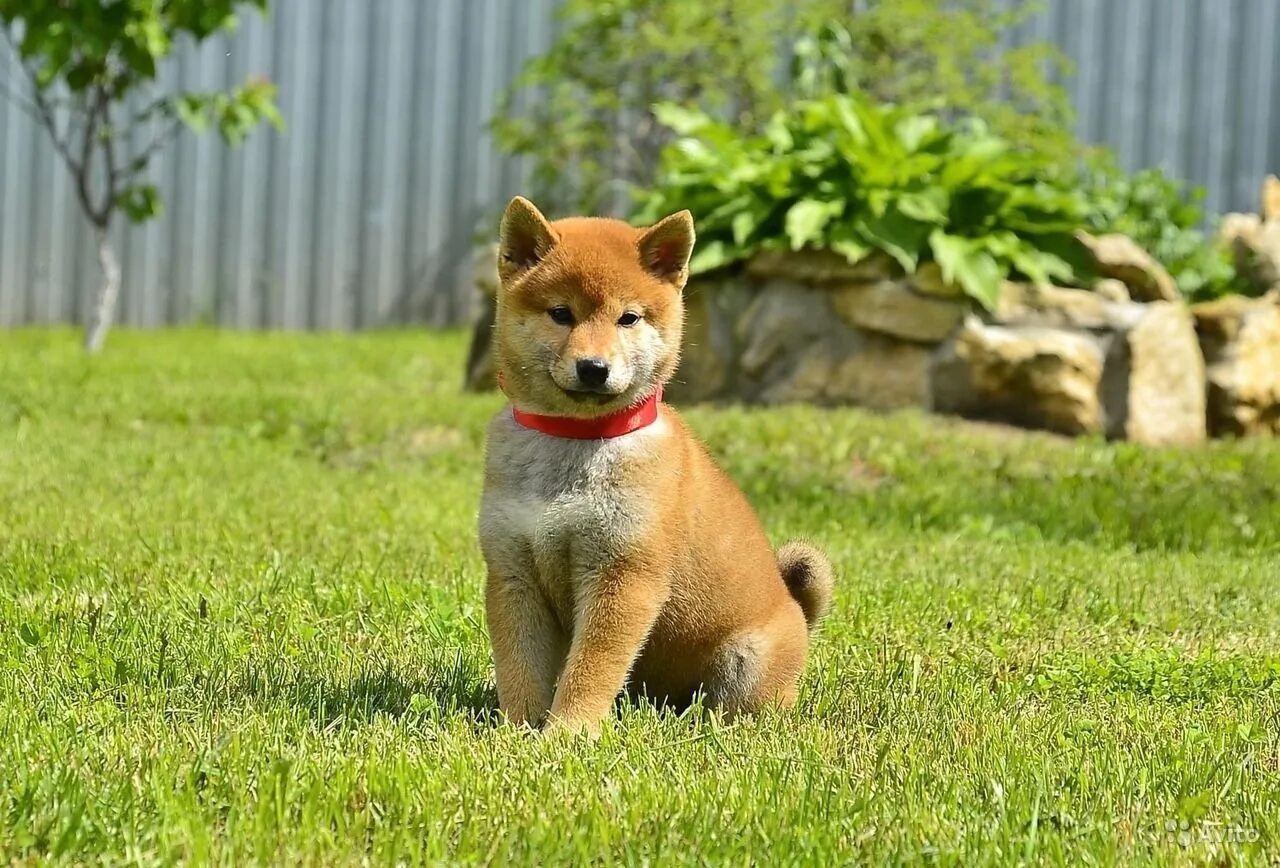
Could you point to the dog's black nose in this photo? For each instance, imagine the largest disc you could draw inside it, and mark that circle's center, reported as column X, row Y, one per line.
column 593, row 372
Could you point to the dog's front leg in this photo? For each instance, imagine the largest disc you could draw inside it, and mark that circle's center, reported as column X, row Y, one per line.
column 613, row 620
column 528, row 648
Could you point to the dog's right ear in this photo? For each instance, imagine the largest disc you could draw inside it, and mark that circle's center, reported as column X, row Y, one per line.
column 525, row 238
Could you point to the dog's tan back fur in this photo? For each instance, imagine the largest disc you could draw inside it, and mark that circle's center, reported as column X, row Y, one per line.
column 633, row 560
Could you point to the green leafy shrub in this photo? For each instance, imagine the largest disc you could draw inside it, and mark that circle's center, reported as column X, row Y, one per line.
column 1163, row 216
column 582, row 113
column 907, row 51
column 853, row 176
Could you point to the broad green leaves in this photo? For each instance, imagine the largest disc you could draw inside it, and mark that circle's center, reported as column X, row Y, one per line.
column 896, row 234
column 235, row 113
column 845, row 174
column 114, row 42
column 965, row 263
column 140, row 203
column 1165, row 219
column 807, row 218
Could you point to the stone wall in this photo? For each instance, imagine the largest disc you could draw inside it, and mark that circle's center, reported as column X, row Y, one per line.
column 809, row 327
column 1241, row 342
column 1065, row 360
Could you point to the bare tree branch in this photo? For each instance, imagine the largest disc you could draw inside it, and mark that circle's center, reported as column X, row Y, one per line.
column 44, row 108
column 15, row 98
column 108, row 140
column 159, row 104
column 137, row 164
column 92, row 129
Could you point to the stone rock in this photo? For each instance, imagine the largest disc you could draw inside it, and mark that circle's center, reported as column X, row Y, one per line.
column 1153, row 389
column 708, row 357
column 1271, row 198
column 1234, row 226
column 891, row 307
column 484, row 270
column 928, row 281
column 1119, row 257
column 481, row 373
column 784, row 318
column 883, row 374
column 1240, row 338
column 1026, row 304
column 875, row 372
column 1112, row 290
column 820, row 267
column 1151, row 384
column 1025, row 375
column 1245, row 236
column 1257, row 254
column 795, row 348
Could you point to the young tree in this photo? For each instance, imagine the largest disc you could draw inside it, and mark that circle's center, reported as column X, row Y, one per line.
column 85, row 61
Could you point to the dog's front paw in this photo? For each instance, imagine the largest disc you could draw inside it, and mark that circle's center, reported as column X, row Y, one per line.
column 571, row 726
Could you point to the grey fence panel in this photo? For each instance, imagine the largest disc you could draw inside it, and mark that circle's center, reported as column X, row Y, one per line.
column 364, row 212
column 1186, row 85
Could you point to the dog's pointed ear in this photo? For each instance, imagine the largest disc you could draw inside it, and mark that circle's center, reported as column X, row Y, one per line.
column 525, row 238
column 665, row 248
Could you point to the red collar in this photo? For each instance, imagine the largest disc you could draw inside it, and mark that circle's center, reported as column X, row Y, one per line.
column 606, row 427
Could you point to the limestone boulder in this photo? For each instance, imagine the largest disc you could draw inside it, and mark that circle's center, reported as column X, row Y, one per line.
column 1025, row 375
column 1132, row 373
column 708, row 358
column 1271, row 198
column 481, row 373
column 1025, row 304
column 1112, row 290
column 794, row 347
column 820, row 267
column 1240, row 339
column 884, row 374
column 1236, row 226
column 1154, row 390
column 484, row 270
column 1256, row 250
column 783, row 319
column 893, row 308
column 878, row 373
column 1120, row 258
column 928, row 280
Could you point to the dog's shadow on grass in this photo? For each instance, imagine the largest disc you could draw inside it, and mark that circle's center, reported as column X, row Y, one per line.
column 449, row 692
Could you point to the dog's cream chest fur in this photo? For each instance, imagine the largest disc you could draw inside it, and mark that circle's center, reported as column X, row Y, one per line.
column 558, row 511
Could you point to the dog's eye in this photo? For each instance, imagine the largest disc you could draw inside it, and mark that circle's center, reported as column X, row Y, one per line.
column 561, row 315
column 628, row 319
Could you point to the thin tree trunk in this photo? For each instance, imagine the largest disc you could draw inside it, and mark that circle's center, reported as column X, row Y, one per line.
column 104, row 307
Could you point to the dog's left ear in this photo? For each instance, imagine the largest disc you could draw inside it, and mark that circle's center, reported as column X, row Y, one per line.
column 665, row 248
column 525, row 238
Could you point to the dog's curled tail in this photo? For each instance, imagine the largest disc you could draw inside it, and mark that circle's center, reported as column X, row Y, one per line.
column 809, row 577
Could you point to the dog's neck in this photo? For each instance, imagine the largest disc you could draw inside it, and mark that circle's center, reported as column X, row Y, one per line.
column 619, row 423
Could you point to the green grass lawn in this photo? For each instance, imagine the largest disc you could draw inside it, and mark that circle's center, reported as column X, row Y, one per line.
column 241, row 620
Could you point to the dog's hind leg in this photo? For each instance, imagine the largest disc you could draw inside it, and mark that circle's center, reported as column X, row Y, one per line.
column 758, row 667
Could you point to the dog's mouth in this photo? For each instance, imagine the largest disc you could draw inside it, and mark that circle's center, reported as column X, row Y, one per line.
column 590, row 396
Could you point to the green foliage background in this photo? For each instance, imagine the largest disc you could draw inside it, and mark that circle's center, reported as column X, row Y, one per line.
column 598, row 115
column 583, row 112
column 846, row 174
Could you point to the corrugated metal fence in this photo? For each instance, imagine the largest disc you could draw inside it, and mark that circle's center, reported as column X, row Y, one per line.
column 364, row 212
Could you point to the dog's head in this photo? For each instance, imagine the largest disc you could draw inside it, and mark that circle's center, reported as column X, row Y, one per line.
column 589, row 312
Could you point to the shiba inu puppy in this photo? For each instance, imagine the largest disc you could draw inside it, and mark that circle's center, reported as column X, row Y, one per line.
column 619, row 554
